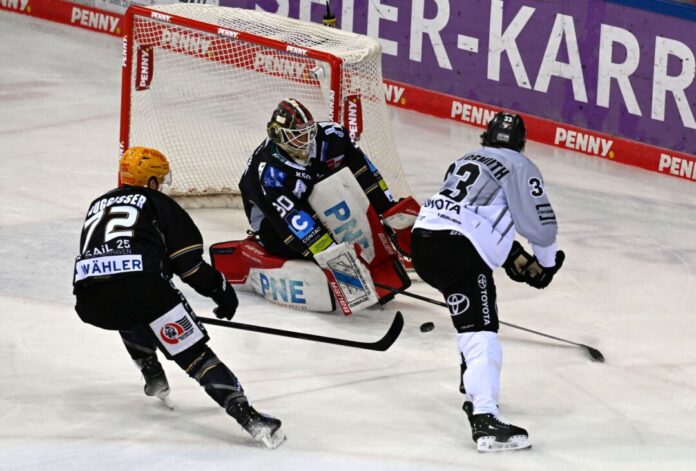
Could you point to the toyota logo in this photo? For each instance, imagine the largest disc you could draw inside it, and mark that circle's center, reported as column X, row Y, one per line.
column 457, row 303
column 482, row 281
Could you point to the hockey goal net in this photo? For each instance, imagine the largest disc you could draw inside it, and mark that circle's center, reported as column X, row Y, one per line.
column 200, row 82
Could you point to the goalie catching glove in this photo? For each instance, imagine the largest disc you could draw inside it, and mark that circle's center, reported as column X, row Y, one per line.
column 226, row 299
column 399, row 219
column 523, row 267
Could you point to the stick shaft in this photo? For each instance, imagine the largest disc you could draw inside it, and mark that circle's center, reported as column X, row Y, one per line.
column 380, row 345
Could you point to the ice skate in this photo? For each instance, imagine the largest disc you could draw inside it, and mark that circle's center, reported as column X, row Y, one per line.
column 490, row 434
column 156, row 384
column 263, row 428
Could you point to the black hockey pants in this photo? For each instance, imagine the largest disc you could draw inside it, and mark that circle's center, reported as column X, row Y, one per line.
column 450, row 263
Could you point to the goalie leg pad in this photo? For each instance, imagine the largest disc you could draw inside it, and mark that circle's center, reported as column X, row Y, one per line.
column 345, row 210
column 349, row 278
column 298, row 284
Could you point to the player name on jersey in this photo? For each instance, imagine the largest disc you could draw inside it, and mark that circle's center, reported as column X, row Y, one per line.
column 134, row 199
column 498, row 169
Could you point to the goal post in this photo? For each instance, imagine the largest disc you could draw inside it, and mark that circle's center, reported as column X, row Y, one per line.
column 200, row 82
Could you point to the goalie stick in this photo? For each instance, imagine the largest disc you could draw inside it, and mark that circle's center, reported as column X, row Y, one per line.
column 380, row 345
column 594, row 353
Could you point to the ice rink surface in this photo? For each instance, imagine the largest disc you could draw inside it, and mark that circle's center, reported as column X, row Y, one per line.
column 70, row 398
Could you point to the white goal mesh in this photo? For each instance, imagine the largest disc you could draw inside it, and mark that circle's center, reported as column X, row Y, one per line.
column 200, row 83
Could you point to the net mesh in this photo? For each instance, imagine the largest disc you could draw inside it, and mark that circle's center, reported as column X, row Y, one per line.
column 204, row 98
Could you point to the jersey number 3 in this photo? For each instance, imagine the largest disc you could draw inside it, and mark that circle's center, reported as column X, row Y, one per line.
column 466, row 176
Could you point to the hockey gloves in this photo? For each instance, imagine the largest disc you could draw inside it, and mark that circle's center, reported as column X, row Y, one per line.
column 399, row 220
column 523, row 267
column 516, row 262
column 226, row 299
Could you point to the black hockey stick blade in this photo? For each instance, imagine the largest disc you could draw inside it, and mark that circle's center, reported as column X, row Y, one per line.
column 595, row 354
column 380, row 345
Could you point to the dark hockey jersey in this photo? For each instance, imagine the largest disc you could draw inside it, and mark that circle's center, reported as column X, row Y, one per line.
column 132, row 230
column 276, row 188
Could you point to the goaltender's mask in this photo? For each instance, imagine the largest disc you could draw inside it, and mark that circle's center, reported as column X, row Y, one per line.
column 293, row 129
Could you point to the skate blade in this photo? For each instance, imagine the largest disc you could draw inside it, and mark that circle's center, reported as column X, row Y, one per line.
column 166, row 401
column 271, row 441
column 489, row 444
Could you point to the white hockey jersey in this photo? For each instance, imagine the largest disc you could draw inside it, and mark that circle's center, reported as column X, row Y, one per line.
column 488, row 196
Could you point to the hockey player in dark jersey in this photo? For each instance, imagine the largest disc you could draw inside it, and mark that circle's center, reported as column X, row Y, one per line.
column 281, row 173
column 133, row 241
column 461, row 235
column 288, row 166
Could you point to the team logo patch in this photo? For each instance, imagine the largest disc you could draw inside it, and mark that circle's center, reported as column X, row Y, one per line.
column 482, row 281
column 176, row 330
column 300, row 223
column 457, row 303
column 274, row 178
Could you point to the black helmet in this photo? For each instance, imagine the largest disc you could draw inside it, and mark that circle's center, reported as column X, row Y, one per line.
column 505, row 130
column 292, row 127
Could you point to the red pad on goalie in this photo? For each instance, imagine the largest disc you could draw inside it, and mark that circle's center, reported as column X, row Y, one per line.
column 400, row 219
column 236, row 258
column 385, row 268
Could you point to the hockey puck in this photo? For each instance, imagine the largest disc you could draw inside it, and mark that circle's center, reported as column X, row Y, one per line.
column 427, row 327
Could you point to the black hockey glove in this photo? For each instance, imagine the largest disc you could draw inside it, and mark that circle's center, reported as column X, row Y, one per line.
column 540, row 277
column 516, row 263
column 523, row 267
column 226, row 299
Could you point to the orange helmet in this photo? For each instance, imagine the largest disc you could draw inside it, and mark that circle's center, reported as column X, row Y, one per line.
column 139, row 166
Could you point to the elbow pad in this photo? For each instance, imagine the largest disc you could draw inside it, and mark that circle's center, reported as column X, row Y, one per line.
column 204, row 279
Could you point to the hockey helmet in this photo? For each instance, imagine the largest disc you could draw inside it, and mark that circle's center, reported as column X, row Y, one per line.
column 505, row 130
column 292, row 128
column 143, row 166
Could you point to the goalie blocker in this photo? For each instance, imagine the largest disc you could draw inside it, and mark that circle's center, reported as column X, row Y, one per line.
column 343, row 276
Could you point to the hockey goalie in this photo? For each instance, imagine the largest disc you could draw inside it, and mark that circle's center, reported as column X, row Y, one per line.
column 325, row 229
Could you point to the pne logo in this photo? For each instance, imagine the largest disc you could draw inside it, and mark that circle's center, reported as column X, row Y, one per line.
column 280, row 289
column 346, row 231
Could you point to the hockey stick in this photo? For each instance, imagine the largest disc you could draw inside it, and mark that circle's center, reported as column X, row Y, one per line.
column 380, row 345
column 594, row 353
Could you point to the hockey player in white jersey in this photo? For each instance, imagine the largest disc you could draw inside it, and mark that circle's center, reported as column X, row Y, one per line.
column 461, row 235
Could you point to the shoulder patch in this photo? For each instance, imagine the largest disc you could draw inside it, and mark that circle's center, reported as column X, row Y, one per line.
column 273, row 177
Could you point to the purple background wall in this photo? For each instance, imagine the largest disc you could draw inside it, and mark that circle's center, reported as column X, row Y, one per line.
column 642, row 112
